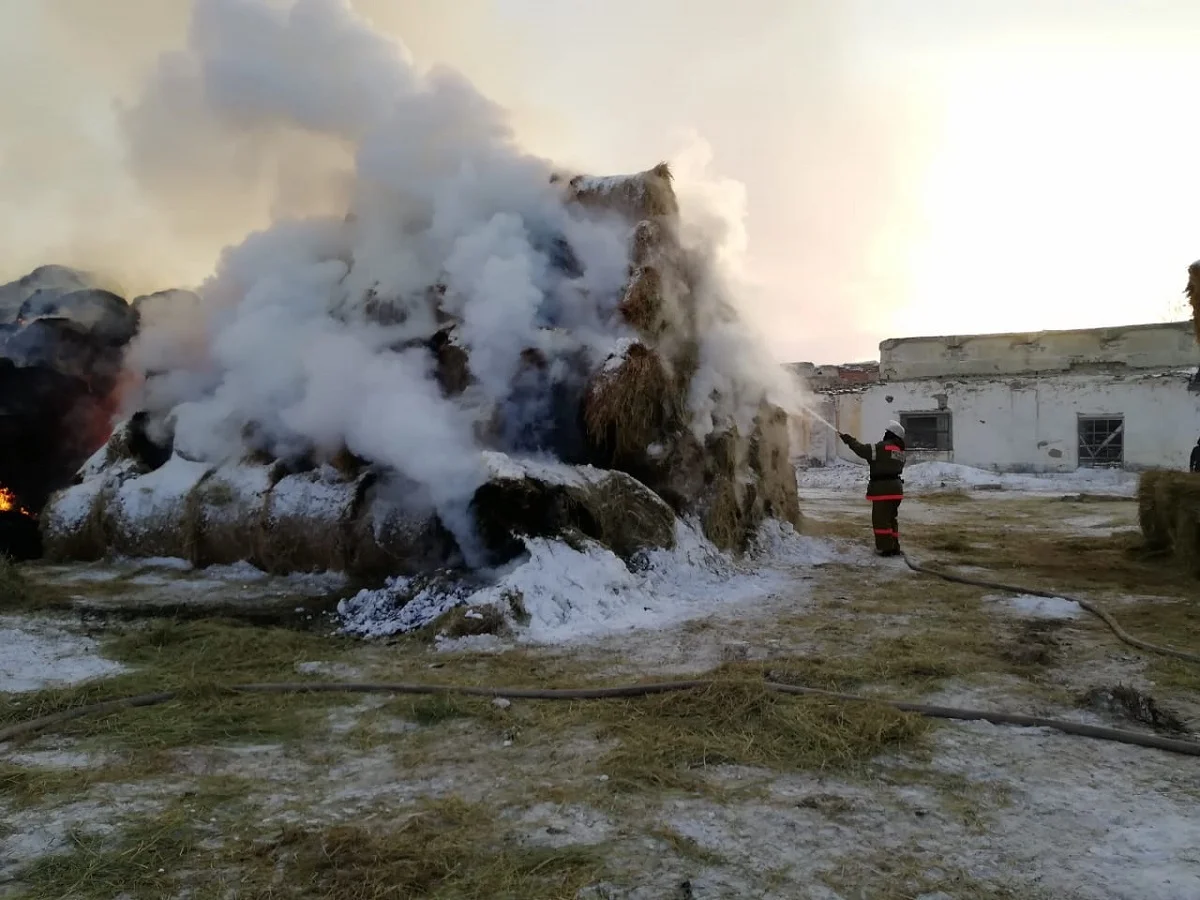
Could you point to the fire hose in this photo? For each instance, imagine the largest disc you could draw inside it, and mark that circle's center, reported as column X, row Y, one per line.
column 1134, row 738
column 1138, row 739
column 1095, row 610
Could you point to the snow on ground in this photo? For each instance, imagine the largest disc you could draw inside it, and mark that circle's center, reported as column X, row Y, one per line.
column 570, row 592
column 937, row 475
column 38, row 653
column 168, row 581
column 1040, row 607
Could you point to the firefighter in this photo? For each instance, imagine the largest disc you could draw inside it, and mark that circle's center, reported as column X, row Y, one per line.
column 1195, row 465
column 885, row 489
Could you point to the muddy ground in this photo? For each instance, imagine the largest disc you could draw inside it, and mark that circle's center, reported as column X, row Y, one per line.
column 724, row 793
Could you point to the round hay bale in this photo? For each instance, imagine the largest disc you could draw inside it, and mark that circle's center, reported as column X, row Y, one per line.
column 527, row 498
column 151, row 515
column 230, row 507
column 72, row 521
column 306, row 523
column 392, row 536
column 630, row 403
column 1154, row 527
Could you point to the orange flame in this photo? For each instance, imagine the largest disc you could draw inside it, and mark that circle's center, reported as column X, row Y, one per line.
column 8, row 502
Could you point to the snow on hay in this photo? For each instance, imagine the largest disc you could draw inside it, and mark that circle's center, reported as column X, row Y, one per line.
column 560, row 592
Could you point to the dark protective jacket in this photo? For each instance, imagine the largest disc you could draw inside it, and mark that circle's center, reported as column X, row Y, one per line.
column 1195, row 467
column 886, row 462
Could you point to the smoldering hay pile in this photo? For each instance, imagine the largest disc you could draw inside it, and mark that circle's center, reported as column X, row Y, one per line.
column 469, row 349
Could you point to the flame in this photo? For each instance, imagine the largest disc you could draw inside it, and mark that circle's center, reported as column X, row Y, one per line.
column 8, row 502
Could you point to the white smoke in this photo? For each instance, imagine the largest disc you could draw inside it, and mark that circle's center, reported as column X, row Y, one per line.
column 280, row 352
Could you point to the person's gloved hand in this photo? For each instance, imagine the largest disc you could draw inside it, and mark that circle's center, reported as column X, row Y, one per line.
column 845, row 437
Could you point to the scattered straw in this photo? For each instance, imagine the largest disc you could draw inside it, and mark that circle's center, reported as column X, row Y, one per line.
column 666, row 740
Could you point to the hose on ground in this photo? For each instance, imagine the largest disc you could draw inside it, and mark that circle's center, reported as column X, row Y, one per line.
column 1137, row 739
column 1095, row 610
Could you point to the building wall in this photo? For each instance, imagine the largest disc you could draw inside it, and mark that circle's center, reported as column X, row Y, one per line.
column 1133, row 347
column 1020, row 424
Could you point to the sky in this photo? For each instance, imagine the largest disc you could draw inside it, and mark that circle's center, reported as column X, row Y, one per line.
column 910, row 166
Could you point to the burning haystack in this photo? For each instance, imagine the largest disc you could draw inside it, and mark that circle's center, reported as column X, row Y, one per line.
column 62, row 341
column 467, row 350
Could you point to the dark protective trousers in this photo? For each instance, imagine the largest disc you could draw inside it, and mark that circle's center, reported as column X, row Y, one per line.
column 885, row 520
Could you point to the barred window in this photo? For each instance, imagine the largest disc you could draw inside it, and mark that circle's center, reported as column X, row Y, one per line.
column 1101, row 441
column 927, row 431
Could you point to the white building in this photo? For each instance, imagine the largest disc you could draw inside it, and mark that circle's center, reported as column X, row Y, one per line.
column 1048, row 402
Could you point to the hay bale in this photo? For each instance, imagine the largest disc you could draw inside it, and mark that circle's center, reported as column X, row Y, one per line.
column 770, row 460
column 630, row 403
column 306, row 523
column 722, row 515
column 645, row 195
column 650, row 238
column 642, row 304
column 152, row 515
column 72, row 521
column 230, row 509
column 527, row 498
column 1169, row 515
column 392, row 535
column 452, row 363
column 1153, row 524
column 1185, row 537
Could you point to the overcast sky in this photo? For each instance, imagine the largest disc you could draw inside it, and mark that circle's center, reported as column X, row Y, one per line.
column 912, row 166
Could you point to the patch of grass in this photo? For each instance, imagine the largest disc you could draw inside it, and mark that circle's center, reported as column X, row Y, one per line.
column 900, row 875
column 19, row 592
column 668, row 741
column 1175, row 624
column 149, row 856
column 193, row 658
column 28, row 786
column 686, row 847
column 447, row 850
column 957, row 495
column 1041, row 557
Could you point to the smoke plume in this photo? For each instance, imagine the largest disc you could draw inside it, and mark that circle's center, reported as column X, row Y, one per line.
column 381, row 180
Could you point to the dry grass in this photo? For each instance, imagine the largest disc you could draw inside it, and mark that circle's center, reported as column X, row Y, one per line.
column 192, row 658
column 15, row 589
column 629, row 408
column 1043, row 557
column 903, row 875
column 668, row 741
column 448, row 850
